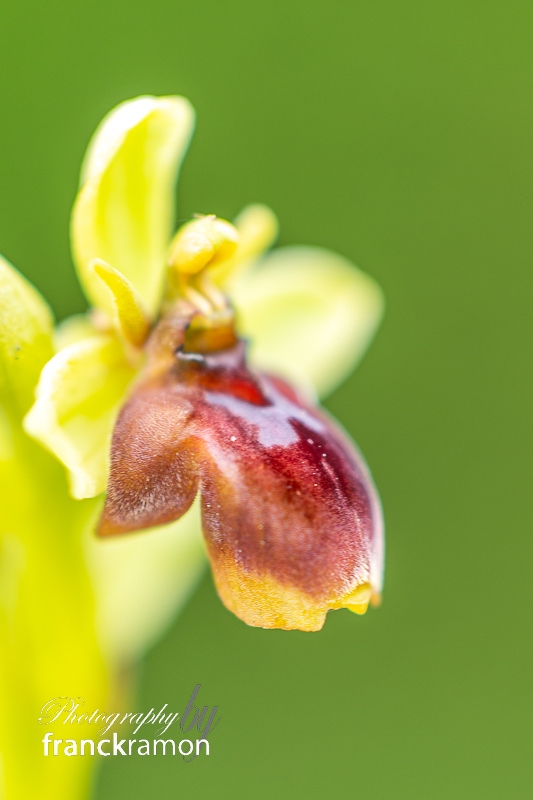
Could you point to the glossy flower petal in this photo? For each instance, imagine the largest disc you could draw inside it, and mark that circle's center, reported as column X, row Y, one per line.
column 79, row 394
column 291, row 517
column 309, row 315
column 124, row 211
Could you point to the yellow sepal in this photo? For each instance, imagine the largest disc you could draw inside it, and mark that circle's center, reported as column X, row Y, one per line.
column 124, row 211
column 78, row 397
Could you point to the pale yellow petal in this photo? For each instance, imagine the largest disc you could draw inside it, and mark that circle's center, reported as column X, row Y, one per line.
column 141, row 580
column 124, row 211
column 309, row 315
column 78, row 398
column 131, row 319
column 25, row 339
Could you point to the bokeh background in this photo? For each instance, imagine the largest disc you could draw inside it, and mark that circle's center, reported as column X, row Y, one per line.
column 401, row 135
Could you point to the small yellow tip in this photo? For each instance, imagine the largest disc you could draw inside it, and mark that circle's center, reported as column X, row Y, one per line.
column 358, row 600
column 358, row 608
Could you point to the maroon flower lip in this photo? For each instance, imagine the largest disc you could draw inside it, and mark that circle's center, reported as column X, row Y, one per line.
column 290, row 515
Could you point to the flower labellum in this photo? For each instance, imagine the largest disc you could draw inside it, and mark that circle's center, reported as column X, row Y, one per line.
column 290, row 514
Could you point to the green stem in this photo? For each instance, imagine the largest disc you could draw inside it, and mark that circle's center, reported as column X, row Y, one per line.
column 48, row 645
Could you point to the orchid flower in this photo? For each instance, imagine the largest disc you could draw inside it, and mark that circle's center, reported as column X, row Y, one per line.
column 184, row 401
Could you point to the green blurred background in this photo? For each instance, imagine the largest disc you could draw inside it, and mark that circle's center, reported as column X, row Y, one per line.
column 399, row 134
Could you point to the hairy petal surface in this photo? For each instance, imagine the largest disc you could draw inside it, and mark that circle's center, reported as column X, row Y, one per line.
column 78, row 396
column 309, row 314
column 290, row 515
column 124, row 211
